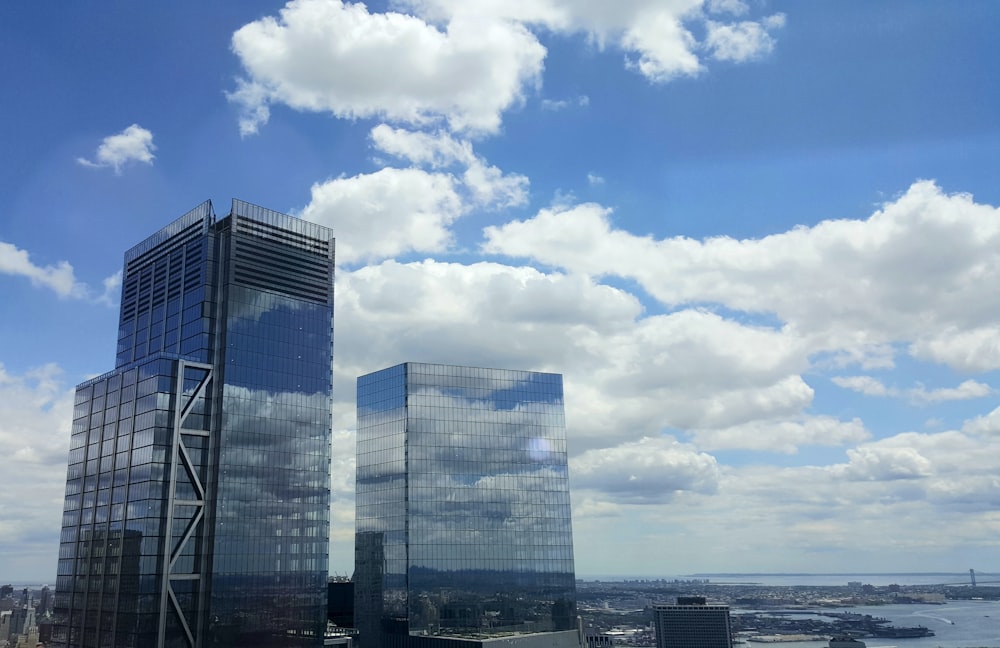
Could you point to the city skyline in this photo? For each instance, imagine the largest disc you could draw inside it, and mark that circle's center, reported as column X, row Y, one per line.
column 758, row 239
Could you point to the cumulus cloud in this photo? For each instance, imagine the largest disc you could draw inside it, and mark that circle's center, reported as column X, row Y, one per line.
column 785, row 436
column 728, row 385
column 461, row 64
column 918, row 270
column 331, row 56
column 743, row 41
column 877, row 463
column 59, row 277
column 815, row 512
column 386, row 213
column 395, row 211
column 862, row 384
column 650, row 470
column 735, row 7
column 435, row 149
column 967, row 349
column 491, row 187
column 484, row 312
column 986, row 424
column 36, row 411
column 657, row 37
column 627, row 375
column 870, row 386
column 555, row 105
column 485, row 185
column 134, row 144
column 665, row 47
column 966, row 390
column 111, row 289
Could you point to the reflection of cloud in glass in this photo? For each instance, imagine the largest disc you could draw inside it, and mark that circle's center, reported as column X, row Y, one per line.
column 273, row 452
column 275, row 342
column 539, row 448
column 465, row 470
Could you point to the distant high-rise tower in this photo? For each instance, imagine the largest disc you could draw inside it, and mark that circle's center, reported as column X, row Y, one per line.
column 463, row 512
column 44, row 601
column 692, row 623
column 198, row 490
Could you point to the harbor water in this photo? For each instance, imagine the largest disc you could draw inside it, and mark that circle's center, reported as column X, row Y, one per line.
column 956, row 624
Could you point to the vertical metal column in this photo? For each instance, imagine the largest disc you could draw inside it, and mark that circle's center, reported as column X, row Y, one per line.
column 179, row 458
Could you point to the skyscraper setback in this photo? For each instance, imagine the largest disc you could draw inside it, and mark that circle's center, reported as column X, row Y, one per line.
column 463, row 512
column 197, row 493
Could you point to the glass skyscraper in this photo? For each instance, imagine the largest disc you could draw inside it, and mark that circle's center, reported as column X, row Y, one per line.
column 463, row 511
column 198, row 488
column 692, row 623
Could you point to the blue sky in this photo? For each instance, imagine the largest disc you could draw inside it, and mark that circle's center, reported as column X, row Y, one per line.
column 759, row 238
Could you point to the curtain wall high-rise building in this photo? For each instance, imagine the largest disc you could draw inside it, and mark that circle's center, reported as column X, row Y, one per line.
column 692, row 623
column 463, row 511
column 197, row 493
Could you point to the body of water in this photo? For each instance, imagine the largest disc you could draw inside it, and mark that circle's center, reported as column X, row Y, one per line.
column 881, row 579
column 776, row 580
column 956, row 624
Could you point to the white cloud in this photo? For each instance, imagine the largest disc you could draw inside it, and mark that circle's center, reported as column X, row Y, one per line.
column 650, row 470
column 495, row 313
column 743, row 41
column 458, row 63
column 437, row 149
column 812, row 513
column 555, row 105
column 486, row 185
column 785, row 436
column 968, row 389
column 875, row 463
column 134, row 144
column 59, row 278
column 867, row 356
column 330, row 56
column 593, row 179
column 253, row 99
column 652, row 30
column 870, row 386
column 735, row 7
column 918, row 270
column 665, row 46
column 35, row 415
column 656, row 36
column 489, row 186
column 974, row 349
column 626, row 376
column 862, row 384
column 112, row 289
column 986, row 424
column 386, row 213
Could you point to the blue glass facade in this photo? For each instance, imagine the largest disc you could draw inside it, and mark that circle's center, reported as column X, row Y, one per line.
column 463, row 511
column 197, row 498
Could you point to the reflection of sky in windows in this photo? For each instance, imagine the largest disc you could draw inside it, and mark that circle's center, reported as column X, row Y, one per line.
column 481, row 489
column 276, row 342
column 265, row 419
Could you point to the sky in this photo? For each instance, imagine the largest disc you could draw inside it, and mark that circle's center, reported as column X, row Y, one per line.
column 759, row 238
